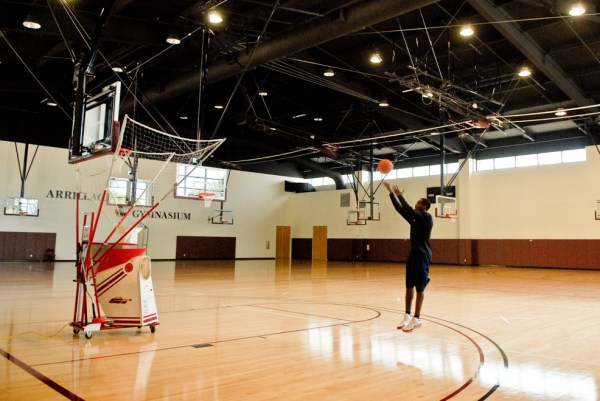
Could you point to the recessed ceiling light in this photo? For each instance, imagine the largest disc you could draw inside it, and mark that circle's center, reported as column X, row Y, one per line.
column 376, row 58
column 577, row 9
column 328, row 73
column 172, row 40
column 31, row 24
column 214, row 17
column 466, row 31
column 524, row 72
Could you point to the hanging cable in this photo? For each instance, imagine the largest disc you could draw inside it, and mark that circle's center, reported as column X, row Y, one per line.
column 226, row 108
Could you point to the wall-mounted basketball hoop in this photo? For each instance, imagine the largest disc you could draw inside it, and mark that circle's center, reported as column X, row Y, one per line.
column 446, row 207
column 207, row 197
column 221, row 217
column 354, row 219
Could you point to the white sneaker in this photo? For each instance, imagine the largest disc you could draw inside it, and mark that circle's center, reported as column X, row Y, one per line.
column 405, row 322
column 415, row 323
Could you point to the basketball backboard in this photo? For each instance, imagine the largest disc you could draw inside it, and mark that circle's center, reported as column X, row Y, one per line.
column 446, row 207
column 100, row 125
column 368, row 210
column 21, row 207
column 221, row 217
column 354, row 219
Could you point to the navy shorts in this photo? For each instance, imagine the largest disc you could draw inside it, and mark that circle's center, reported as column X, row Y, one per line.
column 417, row 270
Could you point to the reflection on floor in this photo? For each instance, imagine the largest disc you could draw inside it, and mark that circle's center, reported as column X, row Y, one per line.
column 298, row 330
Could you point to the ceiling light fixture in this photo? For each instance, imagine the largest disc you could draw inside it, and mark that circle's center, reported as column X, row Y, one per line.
column 466, row 31
column 262, row 93
column 172, row 40
column 524, row 72
column 383, row 103
column 318, row 118
column 328, row 73
column 299, row 115
column 117, row 68
column 560, row 112
column 184, row 117
column 219, row 106
column 577, row 10
column 375, row 58
column 31, row 23
column 214, row 17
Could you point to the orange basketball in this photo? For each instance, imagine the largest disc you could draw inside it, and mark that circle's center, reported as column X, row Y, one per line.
column 385, row 166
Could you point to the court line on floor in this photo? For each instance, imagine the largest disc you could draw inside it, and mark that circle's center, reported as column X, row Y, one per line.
column 39, row 376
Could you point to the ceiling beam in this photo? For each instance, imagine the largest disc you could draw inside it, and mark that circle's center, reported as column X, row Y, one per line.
column 321, row 30
column 530, row 49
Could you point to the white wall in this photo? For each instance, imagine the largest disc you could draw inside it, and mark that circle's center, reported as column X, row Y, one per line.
column 259, row 204
column 549, row 202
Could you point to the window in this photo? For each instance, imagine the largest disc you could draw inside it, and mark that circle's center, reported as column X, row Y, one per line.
column 451, row 168
column 193, row 180
column 575, row 155
column 421, row 171
column 526, row 160
column 504, row 162
column 404, row 173
column 377, row 176
column 321, row 181
column 486, row 164
column 539, row 159
column 549, row 158
column 119, row 192
column 409, row 172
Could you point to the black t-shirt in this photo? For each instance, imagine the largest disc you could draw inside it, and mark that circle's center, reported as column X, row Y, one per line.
column 421, row 224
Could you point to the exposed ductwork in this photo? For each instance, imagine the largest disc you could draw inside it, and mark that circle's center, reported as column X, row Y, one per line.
column 350, row 20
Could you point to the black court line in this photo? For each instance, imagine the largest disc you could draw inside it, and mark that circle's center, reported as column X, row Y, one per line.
column 377, row 311
column 44, row 379
column 500, row 350
column 475, row 343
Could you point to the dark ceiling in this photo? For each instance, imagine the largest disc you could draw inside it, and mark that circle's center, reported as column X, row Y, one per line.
column 283, row 48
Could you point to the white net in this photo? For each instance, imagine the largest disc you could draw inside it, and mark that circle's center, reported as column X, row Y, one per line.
column 145, row 142
column 123, row 188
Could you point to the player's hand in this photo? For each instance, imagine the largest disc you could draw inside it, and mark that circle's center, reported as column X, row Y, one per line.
column 397, row 190
column 388, row 186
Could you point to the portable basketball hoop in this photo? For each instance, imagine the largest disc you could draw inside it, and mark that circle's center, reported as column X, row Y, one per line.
column 207, row 197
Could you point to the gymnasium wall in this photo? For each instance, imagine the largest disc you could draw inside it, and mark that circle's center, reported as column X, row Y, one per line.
column 554, row 203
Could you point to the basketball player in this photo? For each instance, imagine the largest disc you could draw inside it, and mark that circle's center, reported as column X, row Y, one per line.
column 419, row 258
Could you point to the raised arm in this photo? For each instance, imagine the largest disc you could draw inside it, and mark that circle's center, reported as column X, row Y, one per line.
column 399, row 202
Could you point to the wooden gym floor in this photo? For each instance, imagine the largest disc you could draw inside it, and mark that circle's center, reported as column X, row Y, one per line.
column 302, row 330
